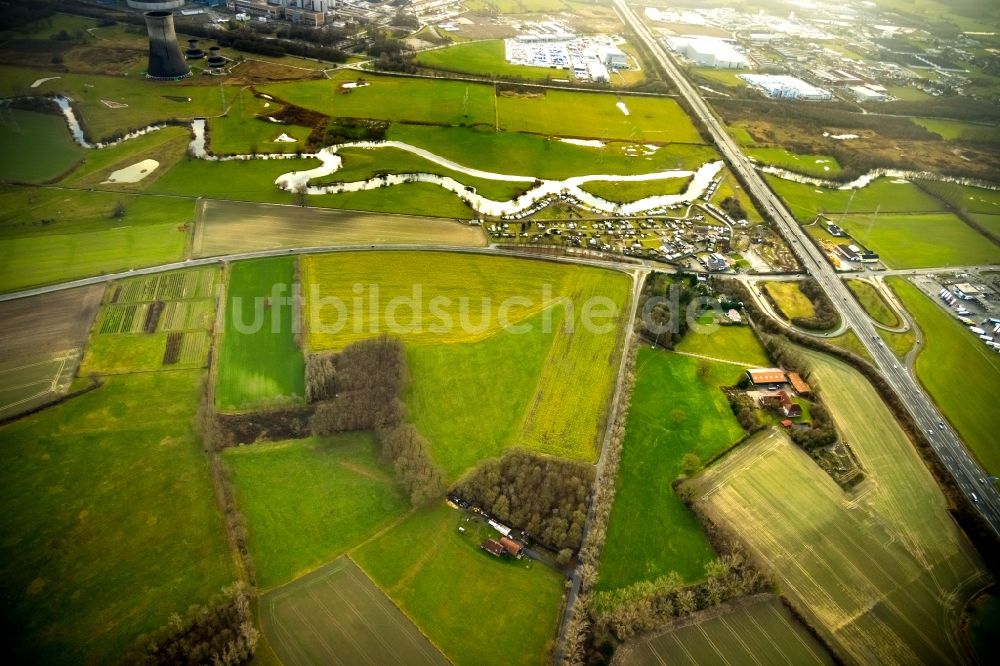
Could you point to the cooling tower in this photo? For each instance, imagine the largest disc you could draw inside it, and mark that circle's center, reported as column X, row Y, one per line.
column 166, row 60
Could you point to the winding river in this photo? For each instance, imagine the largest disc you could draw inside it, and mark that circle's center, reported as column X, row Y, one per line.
column 541, row 192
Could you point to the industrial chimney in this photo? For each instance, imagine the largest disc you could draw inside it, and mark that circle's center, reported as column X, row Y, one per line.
column 166, row 61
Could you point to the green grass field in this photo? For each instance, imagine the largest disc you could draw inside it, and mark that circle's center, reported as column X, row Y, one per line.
column 729, row 186
column 552, row 395
column 308, row 501
column 337, row 615
column 240, row 131
column 919, row 241
column 791, row 301
column 408, row 198
column 595, row 115
column 677, row 408
column 444, row 582
column 522, row 154
column 35, row 147
column 807, row 201
column 147, row 101
column 873, row 303
column 392, row 98
column 475, row 284
column 627, row 192
column 899, row 343
column 956, row 130
column 109, row 518
column 850, row 341
column 953, row 357
column 964, row 198
column 167, row 146
column 731, row 343
column 237, row 180
column 991, row 223
column 465, row 426
column 763, row 633
column 484, row 58
column 54, row 235
column 260, row 362
column 720, row 76
column 363, row 164
column 819, row 166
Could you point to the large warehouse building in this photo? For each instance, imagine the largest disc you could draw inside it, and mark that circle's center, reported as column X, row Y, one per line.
column 709, row 52
column 782, row 86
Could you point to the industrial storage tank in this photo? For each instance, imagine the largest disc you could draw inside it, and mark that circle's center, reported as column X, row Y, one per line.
column 215, row 59
column 166, row 61
column 193, row 52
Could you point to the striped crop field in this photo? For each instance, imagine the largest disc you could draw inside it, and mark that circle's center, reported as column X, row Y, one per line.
column 759, row 632
column 336, row 615
column 880, row 571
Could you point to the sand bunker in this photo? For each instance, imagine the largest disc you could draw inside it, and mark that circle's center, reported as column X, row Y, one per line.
column 134, row 173
column 588, row 143
column 113, row 105
column 621, row 106
column 284, row 138
column 353, row 84
column 39, row 82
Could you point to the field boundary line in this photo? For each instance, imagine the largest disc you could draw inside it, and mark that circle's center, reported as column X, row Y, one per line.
column 418, row 565
column 399, row 606
column 380, row 533
column 712, row 358
column 371, row 590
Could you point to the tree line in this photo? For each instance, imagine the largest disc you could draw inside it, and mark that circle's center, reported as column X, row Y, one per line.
column 221, row 633
column 547, row 497
column 361, row 388
column 577, row 639
column 622, row 613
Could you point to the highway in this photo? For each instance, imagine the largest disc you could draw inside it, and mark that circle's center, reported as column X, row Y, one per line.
column 945, row 442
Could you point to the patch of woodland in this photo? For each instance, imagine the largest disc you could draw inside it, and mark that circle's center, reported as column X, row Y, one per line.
column 362, row 388
column 221, row 633
column 545, row 496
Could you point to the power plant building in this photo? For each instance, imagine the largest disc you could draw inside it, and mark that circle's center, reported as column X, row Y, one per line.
column 166, row 60
column 308, row 12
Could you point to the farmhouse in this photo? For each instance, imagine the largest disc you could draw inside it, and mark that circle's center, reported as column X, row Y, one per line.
column 759, row 376
column 493, row 547
column 511, row 546
column 782, row 402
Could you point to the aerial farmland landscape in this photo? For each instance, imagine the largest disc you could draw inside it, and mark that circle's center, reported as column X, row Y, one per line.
column 564, row 332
